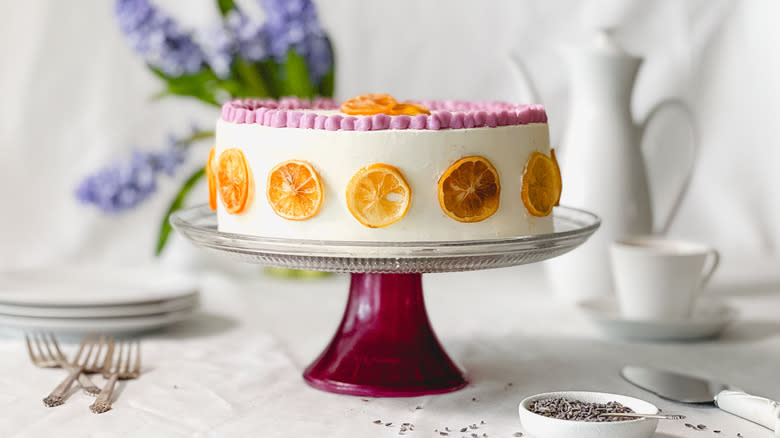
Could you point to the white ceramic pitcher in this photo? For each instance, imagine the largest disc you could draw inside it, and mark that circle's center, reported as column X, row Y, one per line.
column 602, row 164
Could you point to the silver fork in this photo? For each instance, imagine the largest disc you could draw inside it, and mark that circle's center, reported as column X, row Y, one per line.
column 87, row 361
column 47, row 354
column 126, row 367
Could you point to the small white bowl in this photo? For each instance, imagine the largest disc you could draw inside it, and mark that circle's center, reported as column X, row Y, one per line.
column 546, row 427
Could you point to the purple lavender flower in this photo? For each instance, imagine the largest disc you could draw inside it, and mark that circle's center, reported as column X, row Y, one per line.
column 158, row 38
column 122, row 186
column 294, row 24
column 251, row 38
column 237, row 36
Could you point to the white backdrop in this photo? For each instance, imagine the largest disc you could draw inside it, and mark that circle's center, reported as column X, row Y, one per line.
column 73, row 96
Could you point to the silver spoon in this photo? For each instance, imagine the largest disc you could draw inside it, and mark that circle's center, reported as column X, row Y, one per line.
column 635, row 415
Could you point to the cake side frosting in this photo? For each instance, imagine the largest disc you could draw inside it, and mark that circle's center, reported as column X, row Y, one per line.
column 323, row 114
column 422, row 156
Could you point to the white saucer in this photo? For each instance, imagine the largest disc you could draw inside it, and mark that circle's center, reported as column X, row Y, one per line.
column 709, row 318
column 93, row 285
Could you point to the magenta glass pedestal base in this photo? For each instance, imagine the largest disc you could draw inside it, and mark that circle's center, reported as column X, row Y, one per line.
column 385, row 346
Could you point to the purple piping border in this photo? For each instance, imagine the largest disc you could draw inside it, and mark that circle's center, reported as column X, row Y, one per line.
column 447, row 114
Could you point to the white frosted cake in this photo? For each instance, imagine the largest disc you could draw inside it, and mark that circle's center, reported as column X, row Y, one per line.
column 372, row 169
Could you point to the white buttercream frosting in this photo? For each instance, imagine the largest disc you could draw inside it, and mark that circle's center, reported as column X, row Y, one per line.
column 421, row 155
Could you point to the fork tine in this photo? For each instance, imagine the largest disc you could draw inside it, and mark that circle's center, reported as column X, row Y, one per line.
column 137, row 368
column 124, row 358
column 109, row 362
column 81, row 349
column 33, row 357
column 48, row 347
column 91, row 344
column 38, row 342
column 57, row 347
column 99, row 350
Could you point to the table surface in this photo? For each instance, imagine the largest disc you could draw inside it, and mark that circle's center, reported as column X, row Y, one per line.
column 235, row 370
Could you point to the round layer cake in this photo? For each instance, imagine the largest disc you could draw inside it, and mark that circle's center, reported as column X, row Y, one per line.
column 373, row 169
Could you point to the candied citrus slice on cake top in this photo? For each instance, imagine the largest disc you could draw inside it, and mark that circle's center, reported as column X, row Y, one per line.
column 234, row 181
column 369, row 104
column 469, row 190
column 294, row 190
column 212, row 178
column 378, row 195
column 409, row 109
column 541, row 188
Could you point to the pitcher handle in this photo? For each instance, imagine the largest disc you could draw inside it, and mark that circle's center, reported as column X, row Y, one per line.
column 527, row 83
column 661, row 106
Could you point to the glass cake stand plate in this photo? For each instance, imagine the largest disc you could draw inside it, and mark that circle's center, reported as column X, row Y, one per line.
column 385, row 346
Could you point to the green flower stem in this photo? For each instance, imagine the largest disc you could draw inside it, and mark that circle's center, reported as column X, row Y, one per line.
column 165, row 227
column 249, row 74
column 195, row 136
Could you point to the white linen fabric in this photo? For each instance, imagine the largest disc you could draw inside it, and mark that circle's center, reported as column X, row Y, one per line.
column 236, row 369
column 75, row 97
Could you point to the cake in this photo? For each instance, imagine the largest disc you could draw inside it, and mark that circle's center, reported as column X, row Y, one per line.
column 374, row 169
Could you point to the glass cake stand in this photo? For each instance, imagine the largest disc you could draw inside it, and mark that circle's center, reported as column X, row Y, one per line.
column 385, row 346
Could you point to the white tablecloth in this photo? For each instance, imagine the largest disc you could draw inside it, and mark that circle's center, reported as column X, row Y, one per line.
column 236, row 369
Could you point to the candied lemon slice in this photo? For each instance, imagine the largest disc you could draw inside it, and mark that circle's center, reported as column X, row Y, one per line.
column 560, row 180
column 469, row 190
column 212, row 178
column 369, row 104
column 541, row 188
column 378, row 195
column 294, row 190
column 234, row 181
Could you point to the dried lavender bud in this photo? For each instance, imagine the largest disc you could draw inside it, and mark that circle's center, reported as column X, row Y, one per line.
column 690, row 425
column 518, row 434
column 464, row 429
column 576, row 410
column 715, row 431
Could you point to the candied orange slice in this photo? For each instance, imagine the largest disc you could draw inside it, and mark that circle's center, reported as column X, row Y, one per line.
column 378, row 195
column 541, row 184
column 234, row 181
column 212, row 178
column 469, row 190
column 409, row 109
column 294, row 190
column 369, row 104
column 560, row 180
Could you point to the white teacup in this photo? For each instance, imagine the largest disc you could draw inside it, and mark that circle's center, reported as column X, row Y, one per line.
column 658, row 278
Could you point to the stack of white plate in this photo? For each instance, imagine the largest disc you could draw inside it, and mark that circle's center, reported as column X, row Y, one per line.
column 99, row 299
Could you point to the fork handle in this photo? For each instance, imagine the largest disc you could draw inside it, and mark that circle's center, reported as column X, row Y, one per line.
column 57, row 397
column 103, row 401
column 87, row 385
